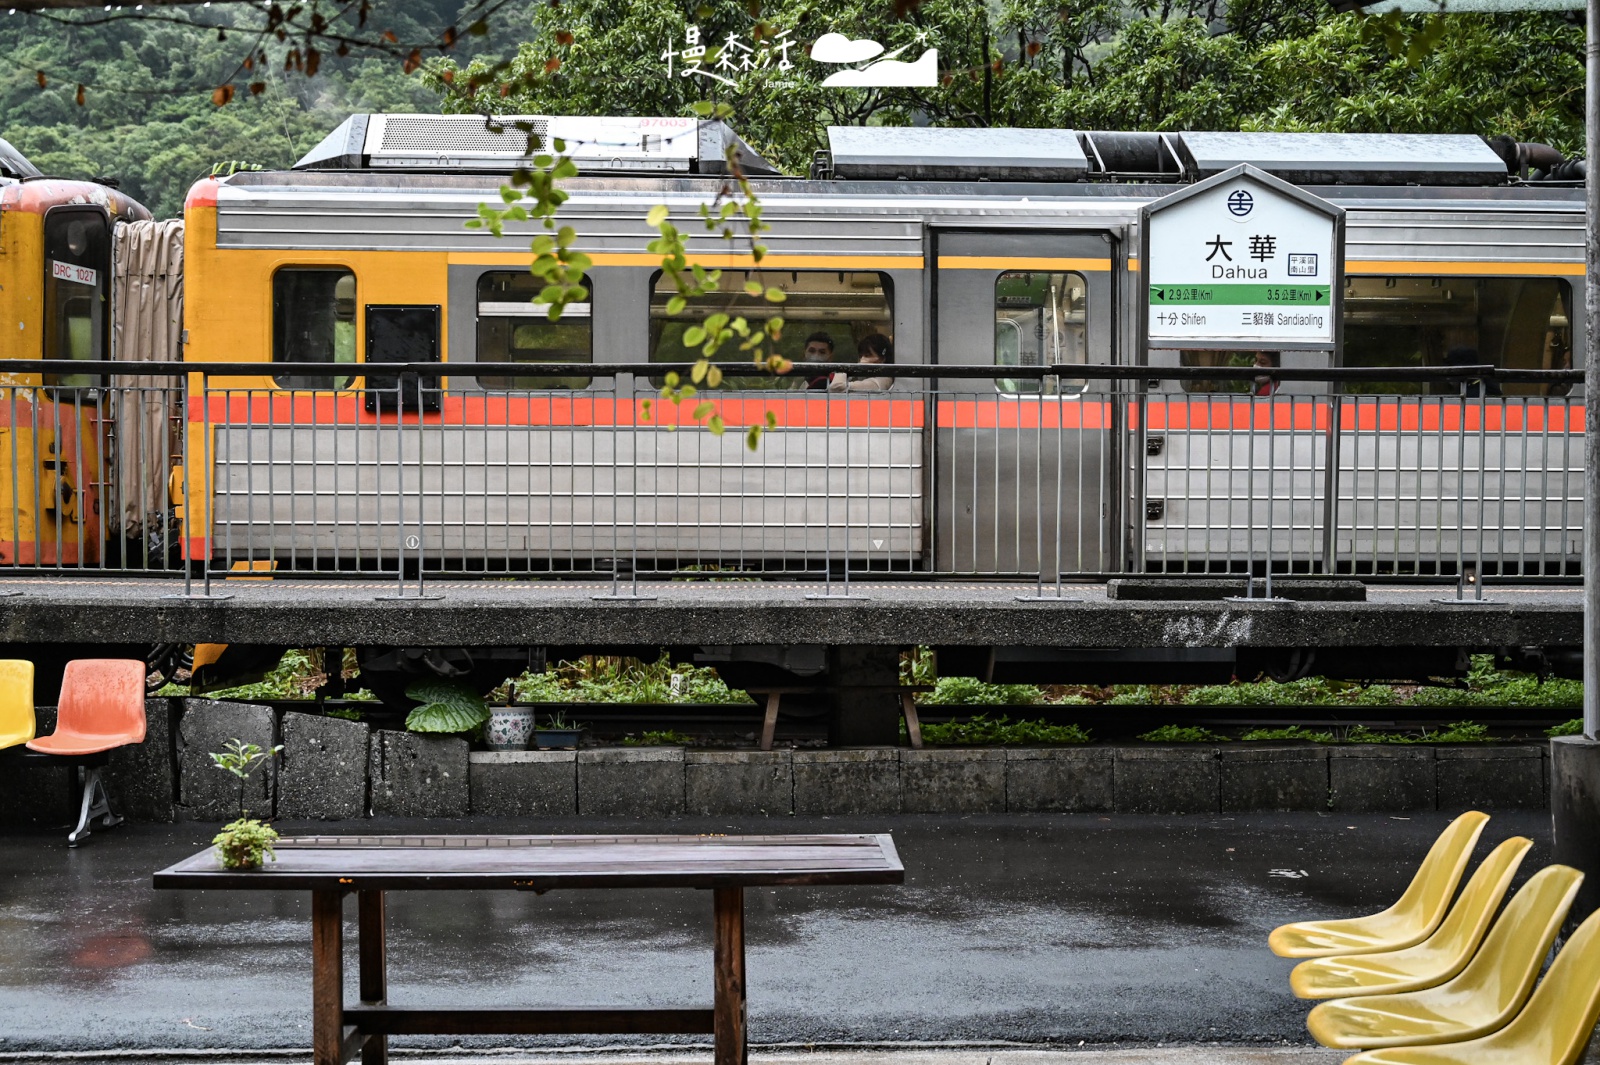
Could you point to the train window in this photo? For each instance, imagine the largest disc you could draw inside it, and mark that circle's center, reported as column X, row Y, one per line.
column 1513, row 322
column 512, row 328
column 1231, row 359
column 77, row 267
column 846, row 305
column 313, row 320
column 1040, row 320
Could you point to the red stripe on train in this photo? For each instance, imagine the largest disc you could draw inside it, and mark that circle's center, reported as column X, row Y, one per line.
column 1406, row 415
column 576, row 411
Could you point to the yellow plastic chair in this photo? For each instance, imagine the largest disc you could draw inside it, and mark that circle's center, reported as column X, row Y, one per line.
column 1409, row 921
column 1482, row 999
column 1434, row 960
column 16, row 702
column 1551, row 1030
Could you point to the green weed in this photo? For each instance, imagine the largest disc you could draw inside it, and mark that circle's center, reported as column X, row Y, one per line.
column 1566, row 728
column 966, row 691
column 657, row 738
column 983, row 731
column 1460, row 732
column 605, row 679
column 1182, row 734
column 1363, row 734
column 1292, row 732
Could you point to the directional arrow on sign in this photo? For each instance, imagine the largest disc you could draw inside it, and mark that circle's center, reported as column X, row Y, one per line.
column 1315, row 295
column 1158, row 293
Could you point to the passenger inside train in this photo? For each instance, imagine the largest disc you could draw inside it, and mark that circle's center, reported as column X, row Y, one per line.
column 1266, row 384
column 873, row 349
column 819, row 348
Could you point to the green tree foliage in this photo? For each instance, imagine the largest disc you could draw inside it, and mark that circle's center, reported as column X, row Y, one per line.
column 1285, row 65
column 147, row 116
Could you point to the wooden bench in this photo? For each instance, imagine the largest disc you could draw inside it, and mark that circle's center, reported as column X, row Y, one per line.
column 331, row 867
column 906, row 692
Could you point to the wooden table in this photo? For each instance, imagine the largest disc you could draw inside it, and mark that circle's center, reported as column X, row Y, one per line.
column 332, row 866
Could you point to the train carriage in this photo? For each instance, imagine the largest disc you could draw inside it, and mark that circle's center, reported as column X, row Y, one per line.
column 56, row 302
column 978, row 249
column 968, row 248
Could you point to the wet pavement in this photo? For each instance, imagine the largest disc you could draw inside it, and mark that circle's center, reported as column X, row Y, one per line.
column 1063, row 930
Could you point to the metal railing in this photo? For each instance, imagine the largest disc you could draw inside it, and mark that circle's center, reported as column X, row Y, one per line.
column 956, row 471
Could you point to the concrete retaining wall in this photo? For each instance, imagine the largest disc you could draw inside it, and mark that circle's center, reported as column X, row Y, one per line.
column 335, row 769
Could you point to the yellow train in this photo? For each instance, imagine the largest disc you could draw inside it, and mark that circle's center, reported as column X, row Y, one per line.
column 56, row 250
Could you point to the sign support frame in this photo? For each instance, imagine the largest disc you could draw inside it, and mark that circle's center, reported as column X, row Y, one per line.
column 1335, row 347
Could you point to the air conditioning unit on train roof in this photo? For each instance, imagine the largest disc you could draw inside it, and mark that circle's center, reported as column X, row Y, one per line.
column 506, row 142
column 1347, row 158
column 929, row 153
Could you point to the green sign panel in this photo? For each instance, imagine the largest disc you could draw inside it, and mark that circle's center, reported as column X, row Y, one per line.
column 1229, row 295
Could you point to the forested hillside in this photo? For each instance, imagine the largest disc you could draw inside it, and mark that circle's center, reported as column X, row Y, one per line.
column 147, row 115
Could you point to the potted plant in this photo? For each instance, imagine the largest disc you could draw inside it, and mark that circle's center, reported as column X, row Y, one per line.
column 242, row 844
column 509, row 726
column 557, row 733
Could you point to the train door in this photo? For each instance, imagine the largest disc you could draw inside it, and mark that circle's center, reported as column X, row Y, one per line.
column 49, row 511
column 1024, row 469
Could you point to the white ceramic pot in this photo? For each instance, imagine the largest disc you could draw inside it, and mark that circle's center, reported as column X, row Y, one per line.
column 509, row 728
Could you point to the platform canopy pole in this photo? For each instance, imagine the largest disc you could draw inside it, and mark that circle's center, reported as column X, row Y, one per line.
column 1591, row 379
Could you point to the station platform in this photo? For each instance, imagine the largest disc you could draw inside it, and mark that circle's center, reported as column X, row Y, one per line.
column 512, row 612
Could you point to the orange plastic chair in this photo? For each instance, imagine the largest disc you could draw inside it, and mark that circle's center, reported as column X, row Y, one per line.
column 1434, row 960
column 101, row 708
column 1552, row 1029
column 1409, row 921
column 1482, row 999
column 16, row 702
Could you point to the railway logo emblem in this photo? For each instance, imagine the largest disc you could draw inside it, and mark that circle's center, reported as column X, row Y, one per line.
column 1240, row 203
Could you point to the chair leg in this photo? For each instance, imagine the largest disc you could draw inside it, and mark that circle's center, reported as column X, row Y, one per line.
column 96, row 803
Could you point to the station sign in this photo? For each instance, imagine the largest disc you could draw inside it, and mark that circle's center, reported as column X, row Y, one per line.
column 1242, row 261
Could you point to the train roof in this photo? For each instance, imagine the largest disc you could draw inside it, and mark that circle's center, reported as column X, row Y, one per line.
column 15, row 165
column 667, row 146
column 504, row 143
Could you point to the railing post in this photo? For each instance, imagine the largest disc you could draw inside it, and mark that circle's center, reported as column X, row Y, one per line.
column 400, row 489
column 827, row 510
column 1249, row 595
column 1038, row 501
column 1330, row 482
column 622, row 391
column 196, row 383
column 1461, row 503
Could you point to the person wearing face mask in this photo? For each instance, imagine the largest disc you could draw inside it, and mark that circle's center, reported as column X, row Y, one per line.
column 819, row 348
column 872, row 349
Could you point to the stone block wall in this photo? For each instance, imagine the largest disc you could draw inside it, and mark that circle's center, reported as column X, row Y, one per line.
column 331, row 769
